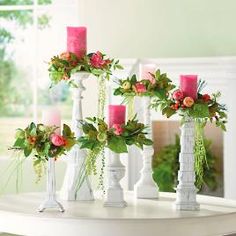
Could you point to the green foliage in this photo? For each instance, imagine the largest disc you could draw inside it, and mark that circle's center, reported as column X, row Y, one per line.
column 166, row 165
column 204, row 108
column 62, row 67
column 97, row 136
column 37, row 140
column 158, row 87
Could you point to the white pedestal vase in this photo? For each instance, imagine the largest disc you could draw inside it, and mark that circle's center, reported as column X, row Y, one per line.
column 186, row 190
column 73, row 188
column 50, row 201
column 146, row 187
column 115, row 172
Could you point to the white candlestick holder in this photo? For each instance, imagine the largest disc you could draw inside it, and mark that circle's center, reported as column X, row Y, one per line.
column 51, row 201
column 186, row 190
column 76, row 185
column 115, row 172
column 146, row 186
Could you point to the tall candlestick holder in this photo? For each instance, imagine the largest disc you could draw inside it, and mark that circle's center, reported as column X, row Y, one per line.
column 146, row 187
column 51, row 201
column 115, row 172
column 76, row 185
column 186, row 190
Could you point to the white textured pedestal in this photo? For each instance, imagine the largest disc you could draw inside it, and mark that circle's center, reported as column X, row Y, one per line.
column 72, row 189
column 115, row 172
column 146, row 186
column 186, row 190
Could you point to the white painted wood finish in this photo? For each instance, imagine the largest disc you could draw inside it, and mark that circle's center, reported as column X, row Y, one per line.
column 186, row 191
column 114, row 191
column 220, row 74
column 76, row 157
column 146, row 187
column 141, row 217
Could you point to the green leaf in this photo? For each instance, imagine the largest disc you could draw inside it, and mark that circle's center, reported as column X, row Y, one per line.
column 19, row 143
column 66, row 130
column 133, row 79
column 117, row 144
column 27, row 151
column 168, row 112
column 200, row 111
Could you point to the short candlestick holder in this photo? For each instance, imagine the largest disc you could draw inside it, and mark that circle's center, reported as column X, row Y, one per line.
column 51, row 201
column 186, row 190
column 146, row 187
column 115, row 172
column 76, row 185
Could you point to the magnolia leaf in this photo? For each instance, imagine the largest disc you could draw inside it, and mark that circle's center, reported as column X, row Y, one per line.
column 133, row 79
column 117, row 144
column 66, row 130
column 19, row 143
column 168, row 112
column 200, row 111
column 147, row 142
column 27, row 151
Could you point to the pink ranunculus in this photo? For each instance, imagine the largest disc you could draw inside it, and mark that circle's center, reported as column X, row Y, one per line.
column 118, row 129
column 97, row 61
column 58, row 140
column 140, row 88
column 178, row 95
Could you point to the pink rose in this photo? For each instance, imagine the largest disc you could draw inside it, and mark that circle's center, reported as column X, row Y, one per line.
column 58, row 140
column 140, row 88
column 178, row 95
column 118, row 129
column 97, row 61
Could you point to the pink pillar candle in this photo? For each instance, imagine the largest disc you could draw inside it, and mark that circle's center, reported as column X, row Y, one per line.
column 116, row 115
column 77, row 41
column 188, row 85
column 145, row 71
column 52, row 117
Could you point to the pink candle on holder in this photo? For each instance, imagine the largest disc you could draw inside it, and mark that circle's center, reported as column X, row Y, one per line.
column 77, row 40
column 116, row 114
column 145, row 71
column 52, row 117
column 188, row 85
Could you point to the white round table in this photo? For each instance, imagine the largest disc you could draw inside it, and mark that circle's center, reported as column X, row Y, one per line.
column 141, row 218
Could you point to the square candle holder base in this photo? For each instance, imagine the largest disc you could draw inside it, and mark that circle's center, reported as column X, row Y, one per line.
column 146, row 192
column 191, row 206
column 50, row 204
column 115, row 204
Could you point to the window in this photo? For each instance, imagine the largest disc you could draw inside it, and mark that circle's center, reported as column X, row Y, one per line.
column 31, row 31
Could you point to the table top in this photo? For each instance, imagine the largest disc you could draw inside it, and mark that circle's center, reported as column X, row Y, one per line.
column 142, row 217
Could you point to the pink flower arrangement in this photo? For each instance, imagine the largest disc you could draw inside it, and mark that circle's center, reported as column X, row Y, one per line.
column 118, row 129
column 97, row 60
column 58, row 140
column 140, row 88
column 178, row 95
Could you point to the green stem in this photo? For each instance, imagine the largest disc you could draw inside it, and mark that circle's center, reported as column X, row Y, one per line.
column 199, row 153
column 101, row 96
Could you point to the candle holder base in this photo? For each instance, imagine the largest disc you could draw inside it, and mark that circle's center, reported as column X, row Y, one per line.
column 49, row 204
column 146, row 191
column 76, row 186
column 193, row 206
column 116, row 204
